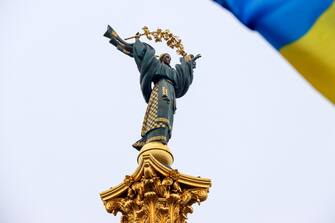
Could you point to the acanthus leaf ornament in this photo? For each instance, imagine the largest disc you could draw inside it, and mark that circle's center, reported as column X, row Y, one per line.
column 155, row 194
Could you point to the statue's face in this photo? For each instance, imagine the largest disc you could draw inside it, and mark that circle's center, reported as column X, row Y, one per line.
column 166, row 59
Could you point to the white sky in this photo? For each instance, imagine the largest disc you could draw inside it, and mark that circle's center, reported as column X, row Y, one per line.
column 71, row 106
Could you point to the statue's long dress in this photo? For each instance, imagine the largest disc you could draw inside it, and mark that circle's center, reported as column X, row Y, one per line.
column 169, row 84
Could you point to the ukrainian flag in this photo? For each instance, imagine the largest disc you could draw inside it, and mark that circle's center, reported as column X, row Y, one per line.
column 303, row 31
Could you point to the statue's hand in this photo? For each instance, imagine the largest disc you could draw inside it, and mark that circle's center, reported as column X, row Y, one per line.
column 196, row 57
column 194, row 64
column 191, row 58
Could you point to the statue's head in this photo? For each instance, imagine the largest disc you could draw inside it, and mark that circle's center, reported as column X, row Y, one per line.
column 165, row 58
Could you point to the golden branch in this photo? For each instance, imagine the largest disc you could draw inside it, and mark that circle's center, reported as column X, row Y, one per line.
column 159, row 35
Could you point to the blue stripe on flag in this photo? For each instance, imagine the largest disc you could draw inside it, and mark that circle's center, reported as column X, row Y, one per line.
column 279, row 21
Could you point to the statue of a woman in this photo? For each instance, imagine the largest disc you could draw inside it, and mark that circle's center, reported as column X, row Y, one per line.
column 168, row 84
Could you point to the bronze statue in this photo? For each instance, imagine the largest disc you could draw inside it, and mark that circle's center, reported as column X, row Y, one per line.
column 169, row 83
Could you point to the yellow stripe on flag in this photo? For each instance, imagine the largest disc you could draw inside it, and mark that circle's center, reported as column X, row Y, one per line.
column 313, row 55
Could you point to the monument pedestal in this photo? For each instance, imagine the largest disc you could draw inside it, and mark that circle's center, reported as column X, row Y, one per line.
column 155, row 192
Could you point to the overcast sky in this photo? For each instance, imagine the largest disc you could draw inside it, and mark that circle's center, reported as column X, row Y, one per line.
column 71, row 106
